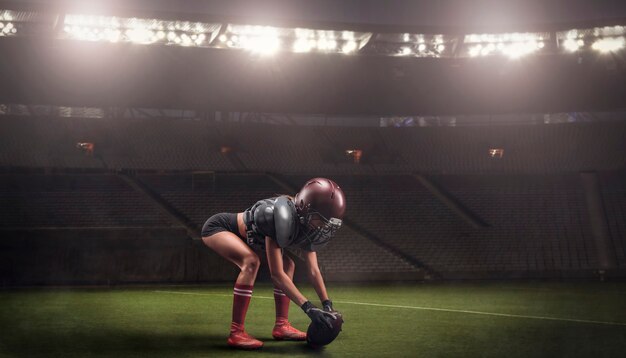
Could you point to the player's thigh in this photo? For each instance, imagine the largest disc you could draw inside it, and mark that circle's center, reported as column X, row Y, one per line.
column 230, row 247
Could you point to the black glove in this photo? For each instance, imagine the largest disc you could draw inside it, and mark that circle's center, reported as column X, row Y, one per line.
column 328, row 305
column 317, row 315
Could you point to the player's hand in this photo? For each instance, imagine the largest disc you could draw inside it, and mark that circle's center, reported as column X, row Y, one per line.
column 327, row 305
column 317, row 315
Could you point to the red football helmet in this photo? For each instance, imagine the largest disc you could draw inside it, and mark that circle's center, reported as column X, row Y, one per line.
column 320, row 205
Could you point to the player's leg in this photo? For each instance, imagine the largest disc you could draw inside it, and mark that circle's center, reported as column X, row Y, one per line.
column 232, row 248
column 280, row 299
column 282, row 328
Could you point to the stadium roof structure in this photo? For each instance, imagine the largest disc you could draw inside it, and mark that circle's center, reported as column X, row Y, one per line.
column 72, row 55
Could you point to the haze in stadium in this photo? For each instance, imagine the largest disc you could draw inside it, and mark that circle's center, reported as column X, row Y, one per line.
column 357, row 178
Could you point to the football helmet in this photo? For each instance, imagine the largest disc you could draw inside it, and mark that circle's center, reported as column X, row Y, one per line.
column 320, row 206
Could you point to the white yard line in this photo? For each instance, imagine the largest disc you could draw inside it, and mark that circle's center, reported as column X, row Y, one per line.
column 422, row 308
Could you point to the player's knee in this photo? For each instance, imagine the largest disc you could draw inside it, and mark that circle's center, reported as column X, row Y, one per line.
column 251, row 264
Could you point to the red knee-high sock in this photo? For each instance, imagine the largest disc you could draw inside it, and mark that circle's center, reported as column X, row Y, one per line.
column 241, row 300
column 282, row 306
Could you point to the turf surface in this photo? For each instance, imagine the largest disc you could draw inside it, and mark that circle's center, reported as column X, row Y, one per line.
column 422, row 320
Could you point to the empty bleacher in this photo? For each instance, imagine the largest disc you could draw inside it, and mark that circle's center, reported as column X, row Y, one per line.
column 80, row 200
column 537, row 225
column 613, row 186
column 169, row 144
column 347, row 253
column 531, row 199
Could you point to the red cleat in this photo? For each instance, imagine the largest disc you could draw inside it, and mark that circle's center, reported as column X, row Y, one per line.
column 242, row 340
column 286, row 332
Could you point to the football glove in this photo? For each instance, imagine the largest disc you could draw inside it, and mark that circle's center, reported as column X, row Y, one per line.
column 317, row 315
column 328, row 305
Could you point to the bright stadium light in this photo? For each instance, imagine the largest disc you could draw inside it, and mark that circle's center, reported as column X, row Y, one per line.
column 573, row 45
column 261, row 40
column 407, row 44
column 519, row 49
column 267, row 40
column 475, row 50
column 299, row 40
column 609, row 31
column 606, row 45
column 326, row 44
column 349, row 47
column 140, row 36
column 512, row 45
column 7, row 29
column 139, row 31
column 602, row 39
column 6, row 15
column 263, row 45
column 19, row 23
column 406, row 51
column 302, row 45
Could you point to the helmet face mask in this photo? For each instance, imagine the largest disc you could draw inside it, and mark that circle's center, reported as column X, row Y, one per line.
column 320, row 229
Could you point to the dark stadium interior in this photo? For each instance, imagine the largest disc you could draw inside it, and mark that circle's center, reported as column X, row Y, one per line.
column 479, row 177
column 531, row 205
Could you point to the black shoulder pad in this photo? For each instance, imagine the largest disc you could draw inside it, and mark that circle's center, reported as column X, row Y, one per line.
column 284, row 221
column 263, row 214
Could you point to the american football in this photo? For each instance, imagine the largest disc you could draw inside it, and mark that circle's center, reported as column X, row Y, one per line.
column 319, row 335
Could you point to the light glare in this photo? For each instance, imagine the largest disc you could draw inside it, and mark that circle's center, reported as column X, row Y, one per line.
column 611, row 44
column 136, row 30
column 302, row 45
column 572, row 45
column 349, row 47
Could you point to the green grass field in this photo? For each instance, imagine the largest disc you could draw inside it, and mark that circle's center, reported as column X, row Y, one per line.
column 420, row 320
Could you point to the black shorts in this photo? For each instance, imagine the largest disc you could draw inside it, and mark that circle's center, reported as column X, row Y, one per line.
column 221, row 222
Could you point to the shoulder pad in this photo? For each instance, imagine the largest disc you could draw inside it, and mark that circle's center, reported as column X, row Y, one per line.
column 263, row 216
column 284, row 221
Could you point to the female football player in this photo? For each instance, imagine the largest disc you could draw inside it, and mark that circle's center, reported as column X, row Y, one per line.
column 306, row 222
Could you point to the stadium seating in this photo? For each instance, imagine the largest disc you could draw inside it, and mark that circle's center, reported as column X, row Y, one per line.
column 531, row 199
column 537, row 225
column 85, row 200
column 169, row 144
column 613, row 187
column 349, row 253
column 119, row 144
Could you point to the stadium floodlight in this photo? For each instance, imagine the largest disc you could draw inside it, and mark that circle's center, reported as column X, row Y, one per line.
column 416, row 45
column 18, row 23
column 268, row 39
column 349, row 46
column 140, row 31
column 573, row 45
column 512, row 45
column 611, row 44
column 602, row 39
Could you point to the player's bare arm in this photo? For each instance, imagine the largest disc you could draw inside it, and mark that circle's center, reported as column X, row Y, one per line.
column 315, row 275
column 279, row 277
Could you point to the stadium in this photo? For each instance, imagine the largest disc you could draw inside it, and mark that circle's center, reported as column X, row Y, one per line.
column 480, row 146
